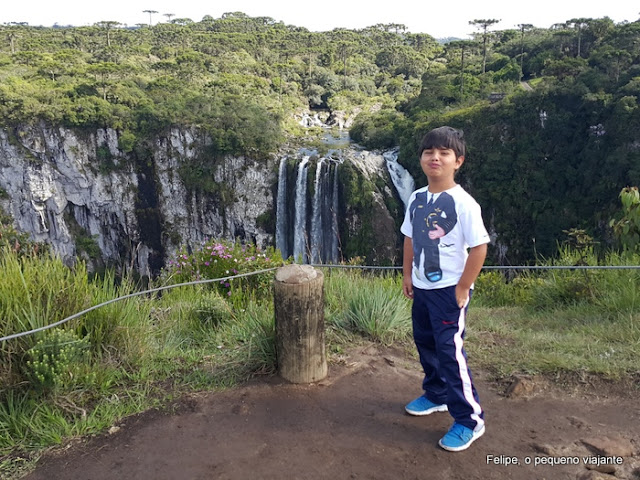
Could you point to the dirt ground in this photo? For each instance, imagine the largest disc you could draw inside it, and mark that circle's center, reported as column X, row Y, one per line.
column 353, row 426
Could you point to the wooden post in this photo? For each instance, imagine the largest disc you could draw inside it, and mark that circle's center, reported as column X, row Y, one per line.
column 299, row 312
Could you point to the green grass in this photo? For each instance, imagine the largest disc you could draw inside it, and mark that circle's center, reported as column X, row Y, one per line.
column 511, row 340
column 560, row 321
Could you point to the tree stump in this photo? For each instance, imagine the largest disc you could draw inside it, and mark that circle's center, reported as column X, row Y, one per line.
column 299, row 312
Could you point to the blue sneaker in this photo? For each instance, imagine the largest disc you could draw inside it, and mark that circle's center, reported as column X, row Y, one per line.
column 459, row 438
column 422, row 406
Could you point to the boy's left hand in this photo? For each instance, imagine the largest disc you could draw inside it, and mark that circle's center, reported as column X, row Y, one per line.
column 462, row 296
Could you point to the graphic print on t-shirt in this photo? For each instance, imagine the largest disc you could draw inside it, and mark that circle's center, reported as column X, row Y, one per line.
column 431, row 221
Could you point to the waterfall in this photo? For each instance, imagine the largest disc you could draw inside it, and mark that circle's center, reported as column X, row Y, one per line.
column 327, row 234
column 308, row 221
column 317, row 217
column 402, row 179
column 324, row 220
column 334, row 217
column 281, row 210
column 310, row 237
column 300, row 218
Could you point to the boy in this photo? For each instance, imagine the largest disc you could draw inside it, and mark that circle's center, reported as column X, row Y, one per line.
column 441, row 222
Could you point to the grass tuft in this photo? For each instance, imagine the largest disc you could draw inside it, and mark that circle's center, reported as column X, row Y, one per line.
column 372, row 307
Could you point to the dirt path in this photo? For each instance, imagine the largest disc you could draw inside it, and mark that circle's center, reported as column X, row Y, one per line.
column 526, row 86
column 352, row 426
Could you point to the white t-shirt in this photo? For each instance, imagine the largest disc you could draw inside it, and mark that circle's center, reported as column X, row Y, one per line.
column 454, row 219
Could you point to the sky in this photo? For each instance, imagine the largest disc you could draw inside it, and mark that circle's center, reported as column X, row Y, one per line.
column 439, row 18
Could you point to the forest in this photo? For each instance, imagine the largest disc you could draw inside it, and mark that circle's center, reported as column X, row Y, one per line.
column 551, row 115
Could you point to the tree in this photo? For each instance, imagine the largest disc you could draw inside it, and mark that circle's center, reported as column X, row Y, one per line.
column 484, row 24
column 12, row 37
column 169, row 15
column 524, row 27
column 566, row 67
column 579, row 24
column 190, row 64
column 150, row 12
column 613, row 60
column 182, row 21
column 463, row 45
column 563, row 37
column 14, row 33
column 104, row 72
column 107, row 26
column 344, row 48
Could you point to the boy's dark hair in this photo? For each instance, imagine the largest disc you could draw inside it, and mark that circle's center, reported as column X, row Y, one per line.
column 444, row 137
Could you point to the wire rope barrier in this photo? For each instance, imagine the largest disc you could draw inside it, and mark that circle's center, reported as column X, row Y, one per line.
column 363, row 267
column 500, row 267
column 135, row 294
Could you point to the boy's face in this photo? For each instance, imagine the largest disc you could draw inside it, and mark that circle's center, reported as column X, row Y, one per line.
column 440, row 164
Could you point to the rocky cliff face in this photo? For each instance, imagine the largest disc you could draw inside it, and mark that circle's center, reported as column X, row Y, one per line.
column 190, row 218
column 50, row 177
column 374, row 227
column 70, row 188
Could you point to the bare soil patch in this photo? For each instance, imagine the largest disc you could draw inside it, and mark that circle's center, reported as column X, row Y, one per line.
column 353, row 426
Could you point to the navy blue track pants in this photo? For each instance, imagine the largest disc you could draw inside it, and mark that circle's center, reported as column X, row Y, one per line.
column 438, row 331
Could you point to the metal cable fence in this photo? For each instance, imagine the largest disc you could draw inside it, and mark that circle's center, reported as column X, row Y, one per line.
column 502, row 267
column 362, row 267
column 135, row 294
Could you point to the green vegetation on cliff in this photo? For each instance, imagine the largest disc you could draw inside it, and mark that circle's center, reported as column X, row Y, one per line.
column 237, row 77
column 551, row 123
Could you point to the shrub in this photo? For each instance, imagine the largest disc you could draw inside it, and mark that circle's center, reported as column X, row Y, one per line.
column 59, row 361
column 491, row 290
column 610, row 292
column 376, row 131
column 222, row 259
column 627, row 228
column 126, row 141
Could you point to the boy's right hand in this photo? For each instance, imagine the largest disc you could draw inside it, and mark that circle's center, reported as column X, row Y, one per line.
column 407, row 287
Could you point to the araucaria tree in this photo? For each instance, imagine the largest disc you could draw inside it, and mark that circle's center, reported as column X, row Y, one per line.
column 484, row 25
column 524, row 27
column 150, row 12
